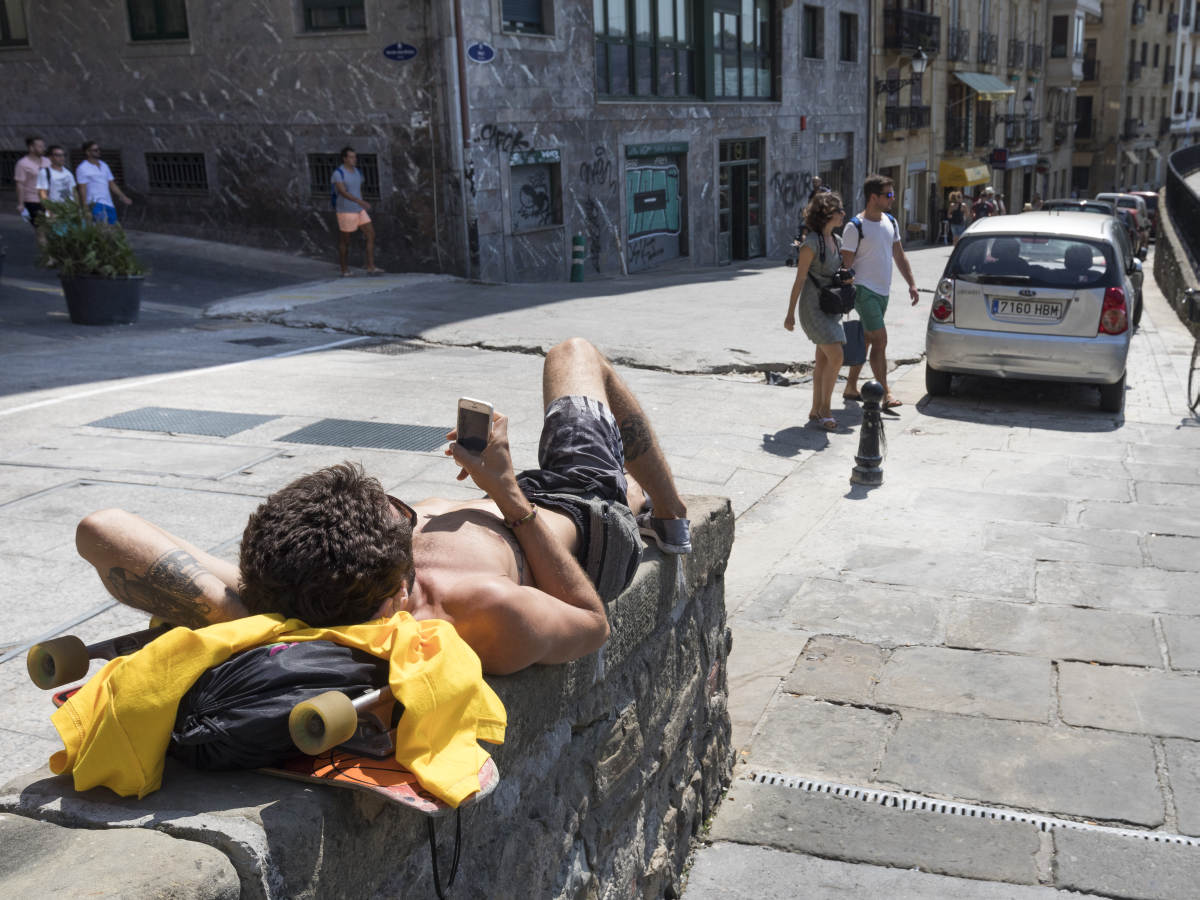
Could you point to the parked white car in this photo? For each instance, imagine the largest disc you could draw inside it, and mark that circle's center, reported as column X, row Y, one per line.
column 1041, row 296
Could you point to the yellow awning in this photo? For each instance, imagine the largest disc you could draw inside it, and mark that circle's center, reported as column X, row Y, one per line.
column 988, row 87
column 963, row 172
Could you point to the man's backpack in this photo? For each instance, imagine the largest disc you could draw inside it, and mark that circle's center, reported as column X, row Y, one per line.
column 856, row 221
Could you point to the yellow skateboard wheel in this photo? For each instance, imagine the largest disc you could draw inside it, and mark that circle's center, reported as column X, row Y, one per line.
column 57, row 662
column 320, row 724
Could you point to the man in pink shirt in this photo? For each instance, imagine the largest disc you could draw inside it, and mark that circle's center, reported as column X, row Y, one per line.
column 25, row 177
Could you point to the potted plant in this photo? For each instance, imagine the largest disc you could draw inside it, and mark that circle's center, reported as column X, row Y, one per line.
column 101, row 277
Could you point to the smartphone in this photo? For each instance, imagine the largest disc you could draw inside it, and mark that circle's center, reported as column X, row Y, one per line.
column 474, row 423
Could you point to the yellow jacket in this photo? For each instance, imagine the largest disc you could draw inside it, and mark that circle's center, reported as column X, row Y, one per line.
column 117, row 726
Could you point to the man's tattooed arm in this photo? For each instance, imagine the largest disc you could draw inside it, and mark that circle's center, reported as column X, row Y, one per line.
column 635, row 436
column 171, row 589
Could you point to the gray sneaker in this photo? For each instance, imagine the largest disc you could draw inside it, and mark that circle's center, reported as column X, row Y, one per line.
column 670, row 535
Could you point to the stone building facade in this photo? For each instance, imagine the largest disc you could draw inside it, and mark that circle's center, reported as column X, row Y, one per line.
column 491, row 134
column 1183, row 117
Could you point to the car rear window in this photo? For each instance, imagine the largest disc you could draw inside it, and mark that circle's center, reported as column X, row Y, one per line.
column 1033, row 260
column 1151, row 202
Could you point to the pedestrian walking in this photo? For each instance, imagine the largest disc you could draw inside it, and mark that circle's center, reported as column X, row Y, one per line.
column 819, row 258
column 985, row 204
column 55, row 182
column 351, row 209
column 957, row 214
column 25, row 178
column 870, row 244
column 94, row 180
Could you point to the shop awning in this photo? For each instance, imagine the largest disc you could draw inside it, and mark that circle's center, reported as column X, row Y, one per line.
column 963, row 172
column 1132, row 157
column 1154, row 154
column 988, row 87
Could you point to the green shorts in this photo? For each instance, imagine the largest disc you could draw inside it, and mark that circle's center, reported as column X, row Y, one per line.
column 870, row 307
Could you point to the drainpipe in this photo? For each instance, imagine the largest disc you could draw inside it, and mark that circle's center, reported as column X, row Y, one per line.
column 462, row 141
column 870, row 89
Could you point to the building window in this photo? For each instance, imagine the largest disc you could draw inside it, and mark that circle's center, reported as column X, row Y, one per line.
column 176, row 173
column 741, row 49
column 1059, row 36
column 644, row 48
column 12, row 25
column 813, row 34
column 1156, row 48
column 8, row 162
column 157, row 20
column 320, row 173
column 536, row 201
column 334, row 15
column 848, row 37
column 524, row 16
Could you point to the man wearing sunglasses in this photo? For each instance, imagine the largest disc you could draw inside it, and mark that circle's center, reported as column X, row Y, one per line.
column 522, row 573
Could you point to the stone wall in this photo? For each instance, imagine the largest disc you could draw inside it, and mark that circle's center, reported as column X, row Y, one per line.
column 1172, row 270
column 612, row 765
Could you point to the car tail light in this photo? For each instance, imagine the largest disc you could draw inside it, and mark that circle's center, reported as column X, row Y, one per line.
column 943, row 301
column 1114, row 317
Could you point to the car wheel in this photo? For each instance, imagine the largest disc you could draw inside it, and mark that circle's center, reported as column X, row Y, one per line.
column 937, row 384
column 1112, row 396
column 1137, row 311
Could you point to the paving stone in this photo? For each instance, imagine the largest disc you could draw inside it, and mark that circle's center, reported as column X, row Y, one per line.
column 1121, row 588
column 757, row 664
column 1183, row 775
column 1054, row 632
column 1054, row 484
column 967, row 682
column 1138, row 701
column 1183, row 641
column 739, row 872
column 869, row 612
column 1117, row 866
column 1179, row 554
column 1142, row 518
column 1165, row 474
column 990, row 574
column 834, row 668
column 1064, row 543
column 840, row 828
column 44, row 860
column 1098, row 445
column 138, row 454
column 819, row 740
column 990, row 506
column 1154, row 453
column 1055, row 770
column 1168, row 494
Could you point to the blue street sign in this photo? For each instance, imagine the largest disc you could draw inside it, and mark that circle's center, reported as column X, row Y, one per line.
column 481, row 52
column 400, row 52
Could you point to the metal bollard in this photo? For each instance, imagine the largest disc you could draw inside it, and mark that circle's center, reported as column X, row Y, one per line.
column 578, row 250
column 870, row 438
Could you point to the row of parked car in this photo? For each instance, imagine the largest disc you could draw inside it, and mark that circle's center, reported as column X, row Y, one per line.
column 1053, row 295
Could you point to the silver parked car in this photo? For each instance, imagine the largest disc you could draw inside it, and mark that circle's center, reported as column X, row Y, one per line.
column 1041, row 296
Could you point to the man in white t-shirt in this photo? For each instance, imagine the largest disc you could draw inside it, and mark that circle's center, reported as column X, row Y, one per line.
column 56, row 183
column 870, row 243
column 96, row 185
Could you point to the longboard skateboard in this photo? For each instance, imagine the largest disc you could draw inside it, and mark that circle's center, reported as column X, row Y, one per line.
column 61, row 660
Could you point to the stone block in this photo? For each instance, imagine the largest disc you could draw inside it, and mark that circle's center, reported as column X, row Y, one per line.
column 1018, row 764
column 45, row 860
column 178, row 457
column 1137, row 701
column 758, row 662
column 1118, row 866
column 989, row 574
column 1064, row 543
column 1183, row 775
column 966, row 682
column 854, row 830
column 1183, row 640
column 1139, row 589
column 1164, row 473
column 1142, row 518
column 833, row 668
column 1160, row 494
column 1054, row 484
column 1177, row 553
column 1054, row 632
column 819, row 740
column 990, row 506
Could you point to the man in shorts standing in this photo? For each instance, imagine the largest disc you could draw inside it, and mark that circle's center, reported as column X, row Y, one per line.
column 351, row 211
column 25, row 178
column 870, row 243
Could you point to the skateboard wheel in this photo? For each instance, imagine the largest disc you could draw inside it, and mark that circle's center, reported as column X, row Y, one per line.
column 56, row 662
column 320, row 724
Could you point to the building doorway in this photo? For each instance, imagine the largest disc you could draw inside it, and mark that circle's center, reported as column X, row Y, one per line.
column 655, row 206
column 740, row 201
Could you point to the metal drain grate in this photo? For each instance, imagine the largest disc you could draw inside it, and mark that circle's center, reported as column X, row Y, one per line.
column 259, row 341
column 390, row 348
column 917, row 803
column 374, row 435
column 208, row 422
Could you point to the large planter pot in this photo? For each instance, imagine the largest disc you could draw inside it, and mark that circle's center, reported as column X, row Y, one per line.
column 92, row 300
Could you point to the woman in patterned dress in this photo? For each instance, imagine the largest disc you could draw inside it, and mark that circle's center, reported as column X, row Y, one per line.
column 820, row 254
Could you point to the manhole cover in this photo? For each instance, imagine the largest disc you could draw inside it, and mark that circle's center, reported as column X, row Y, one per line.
column 375, row 435
column 208, row 422
column 258, row 341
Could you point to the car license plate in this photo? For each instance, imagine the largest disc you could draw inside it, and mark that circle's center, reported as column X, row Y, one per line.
column 1027, row 310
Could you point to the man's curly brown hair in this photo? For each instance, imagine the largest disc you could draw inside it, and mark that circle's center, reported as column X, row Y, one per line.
column 821, row 209
column 328, row 549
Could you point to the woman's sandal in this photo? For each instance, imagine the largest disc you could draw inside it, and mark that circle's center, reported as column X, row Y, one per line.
column 827, row 423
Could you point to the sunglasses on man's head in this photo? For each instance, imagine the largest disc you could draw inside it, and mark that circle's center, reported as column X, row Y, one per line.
column 404, row 509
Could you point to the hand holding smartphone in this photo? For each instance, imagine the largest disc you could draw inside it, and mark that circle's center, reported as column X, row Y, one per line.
column 474, row 424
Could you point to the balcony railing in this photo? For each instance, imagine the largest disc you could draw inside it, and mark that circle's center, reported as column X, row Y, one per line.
column 958, row 45
column 1168, row 74
column 1062, row 131
column 1172, row 23
column 1033, row 130
column 1139, row 13
column 1135, row 70
column 919, row 116
column 983, row 131
column 1091, row 70
column 956, row 133
column 1037, row 53
column 905, row 29
column 1016, row 54
column 989, row 48
column 1086, row 129
column 895, row 118
column 1132, row 129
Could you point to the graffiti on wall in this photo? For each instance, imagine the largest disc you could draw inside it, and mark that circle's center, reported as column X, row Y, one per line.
column 597, row 170
column 506, row 140
column 792, row 188
column 533, row 205
column 596, row 175
column 652, row 200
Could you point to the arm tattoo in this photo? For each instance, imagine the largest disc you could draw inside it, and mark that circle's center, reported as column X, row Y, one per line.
column 635, row 436
column 170, row 589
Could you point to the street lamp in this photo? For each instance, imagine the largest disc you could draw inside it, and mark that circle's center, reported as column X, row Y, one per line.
column 1028, row 103
column 919, row 63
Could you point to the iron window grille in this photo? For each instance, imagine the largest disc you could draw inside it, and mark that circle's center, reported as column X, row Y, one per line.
column 644, row 49
column 321, row 167
column 989, row 48
column 958, row 45
column 176, row 173
column 1036, row 53
column 13, row 32
column 157, row 20
column 334, row 15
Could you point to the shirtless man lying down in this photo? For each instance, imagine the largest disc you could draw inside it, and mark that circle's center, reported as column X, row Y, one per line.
column 522, row 574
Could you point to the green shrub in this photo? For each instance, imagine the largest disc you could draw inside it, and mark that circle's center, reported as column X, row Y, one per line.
column 77, row 245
